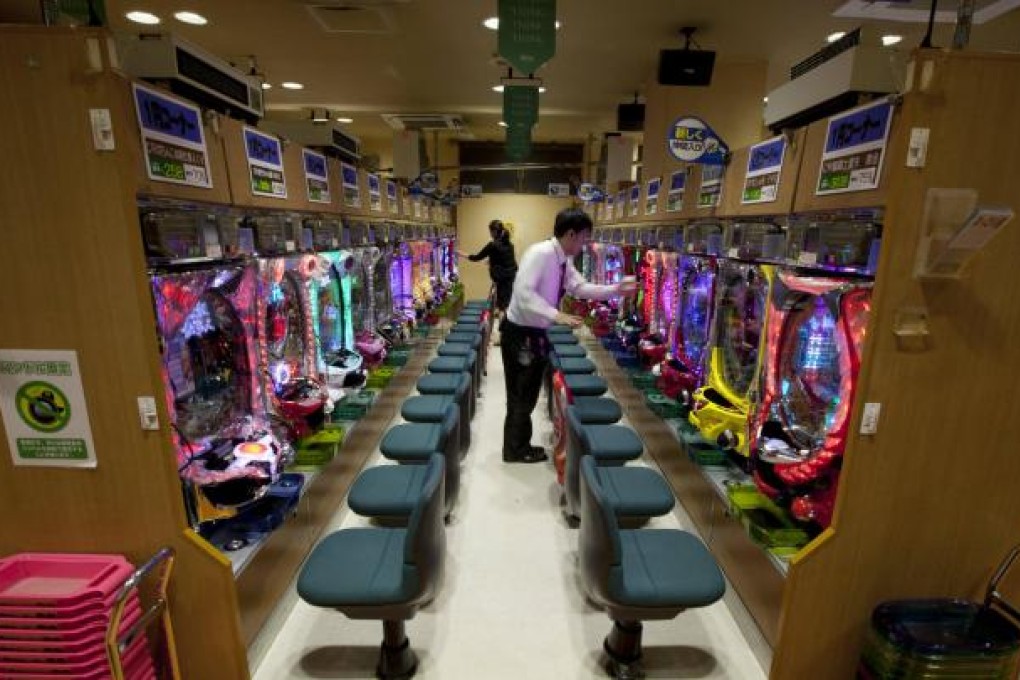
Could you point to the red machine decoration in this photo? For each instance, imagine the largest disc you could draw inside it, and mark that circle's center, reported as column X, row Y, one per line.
column 810, row 371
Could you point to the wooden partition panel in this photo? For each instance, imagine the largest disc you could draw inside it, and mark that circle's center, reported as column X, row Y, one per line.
column 928, row 505
column 72, row 276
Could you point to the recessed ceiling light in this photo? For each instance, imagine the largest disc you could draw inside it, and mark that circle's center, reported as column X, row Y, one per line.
column 541, row 90
column 765, row 100
column 492, row 23
column 289, row 85
column 344, row 119
column 833, row 37
column 267, row 86
column 142, row 17
column 889, row 40
column 192, row 18
column 497, row 88
column 501, row 123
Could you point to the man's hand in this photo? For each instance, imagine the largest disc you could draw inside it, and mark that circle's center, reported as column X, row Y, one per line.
column 569, row 320
column 627, row 287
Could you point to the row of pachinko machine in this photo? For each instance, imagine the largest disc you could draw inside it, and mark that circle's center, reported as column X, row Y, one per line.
column 276, row 331
column 747, row 336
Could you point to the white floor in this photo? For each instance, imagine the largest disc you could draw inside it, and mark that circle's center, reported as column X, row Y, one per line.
column 512, row 603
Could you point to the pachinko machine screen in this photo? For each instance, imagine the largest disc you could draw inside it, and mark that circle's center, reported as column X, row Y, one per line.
column 285, row 331
column 697, row 293
column 740, row 322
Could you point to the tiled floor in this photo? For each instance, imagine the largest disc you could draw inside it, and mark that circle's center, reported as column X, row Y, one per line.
column 511, row 604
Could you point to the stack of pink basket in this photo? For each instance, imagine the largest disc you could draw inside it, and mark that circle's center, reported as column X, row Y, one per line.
column 54, row 613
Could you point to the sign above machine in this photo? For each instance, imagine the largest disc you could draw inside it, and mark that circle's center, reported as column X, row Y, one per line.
column 173, row 139
column 265, row 163
column 691, row 140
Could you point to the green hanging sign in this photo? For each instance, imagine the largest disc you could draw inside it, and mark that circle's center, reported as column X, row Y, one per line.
column 527, row 33
column 520, row 106
column 518, row 142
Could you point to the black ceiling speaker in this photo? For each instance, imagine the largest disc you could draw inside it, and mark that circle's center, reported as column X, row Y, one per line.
column 687, row 67
column 630, row 117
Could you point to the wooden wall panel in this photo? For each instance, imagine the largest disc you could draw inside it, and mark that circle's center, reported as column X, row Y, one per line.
column 927, row 506
column 72, row 276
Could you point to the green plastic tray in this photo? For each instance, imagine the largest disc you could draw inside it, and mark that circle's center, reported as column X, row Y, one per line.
column 767, row 524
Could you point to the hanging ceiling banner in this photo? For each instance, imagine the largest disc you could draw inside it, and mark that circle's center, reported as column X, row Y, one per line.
column 520, row 106
column 518, row 142
column 691, row 140
column 527, row 33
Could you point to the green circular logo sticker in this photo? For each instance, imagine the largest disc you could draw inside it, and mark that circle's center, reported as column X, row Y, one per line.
column 43, row 406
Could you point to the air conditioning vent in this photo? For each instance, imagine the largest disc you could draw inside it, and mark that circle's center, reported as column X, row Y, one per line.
column 425, row 121
column 330, row 140
column 848, row 41
column 835, row 79
column 192, row 73
column 350, row 18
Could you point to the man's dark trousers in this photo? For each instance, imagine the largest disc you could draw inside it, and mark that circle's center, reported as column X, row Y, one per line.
column 523, row 385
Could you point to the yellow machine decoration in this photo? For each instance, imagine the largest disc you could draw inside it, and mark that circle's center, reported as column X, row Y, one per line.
column 721, row 406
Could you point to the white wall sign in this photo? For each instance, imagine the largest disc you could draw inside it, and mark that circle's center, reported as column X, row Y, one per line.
column 43, row 408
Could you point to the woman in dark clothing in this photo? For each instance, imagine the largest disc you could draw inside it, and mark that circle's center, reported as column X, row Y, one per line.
column 502, row 262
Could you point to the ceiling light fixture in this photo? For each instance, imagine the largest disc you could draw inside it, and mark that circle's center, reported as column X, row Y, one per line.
column 267, row 86
column 833, row 37
column 344, row 119
column 497, row 88
column 492, row 23
column 290, row 85
column 501, row 123
column 541, row 90
column 890, row 40
column 320, row 116
column 765, row 100
column 193, row 18
column 142, row 17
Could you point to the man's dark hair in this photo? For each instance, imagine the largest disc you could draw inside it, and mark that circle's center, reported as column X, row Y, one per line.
column 496, row 227
column 571, row 219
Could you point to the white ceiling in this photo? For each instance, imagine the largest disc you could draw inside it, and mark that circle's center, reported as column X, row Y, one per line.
column 434, row 56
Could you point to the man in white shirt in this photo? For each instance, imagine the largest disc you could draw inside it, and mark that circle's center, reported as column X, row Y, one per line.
column 545, row 274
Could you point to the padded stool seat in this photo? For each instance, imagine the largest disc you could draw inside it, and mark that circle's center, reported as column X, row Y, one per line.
column 456, row 349
column 570, row 351
column 635, row 492
column 459, row 385
column 473, row 339
column 597, row 410
column 586, row 385
column 431, row 409
column 610, row 444
column 387, row 491
column 453, row 364
column 563, row 339
column 470, row 316
column 425, row 409
column 664, row 567
column 476, row 304
column 384, row 573
column 560, row 328
column 415, row 442
column 573, row 366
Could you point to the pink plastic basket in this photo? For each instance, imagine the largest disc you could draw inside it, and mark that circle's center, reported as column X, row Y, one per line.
column 33, row 579
column 58, row 612
column 136, row 661
column 76, row 623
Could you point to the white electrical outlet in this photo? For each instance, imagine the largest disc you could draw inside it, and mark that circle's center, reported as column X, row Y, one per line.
column 869, row 419
column 147, row 414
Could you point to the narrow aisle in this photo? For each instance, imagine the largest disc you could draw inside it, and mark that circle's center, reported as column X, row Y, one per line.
column 511, row 604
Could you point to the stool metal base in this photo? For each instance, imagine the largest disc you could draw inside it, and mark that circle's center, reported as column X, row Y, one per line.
column 623, row 647
column 397, row 661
